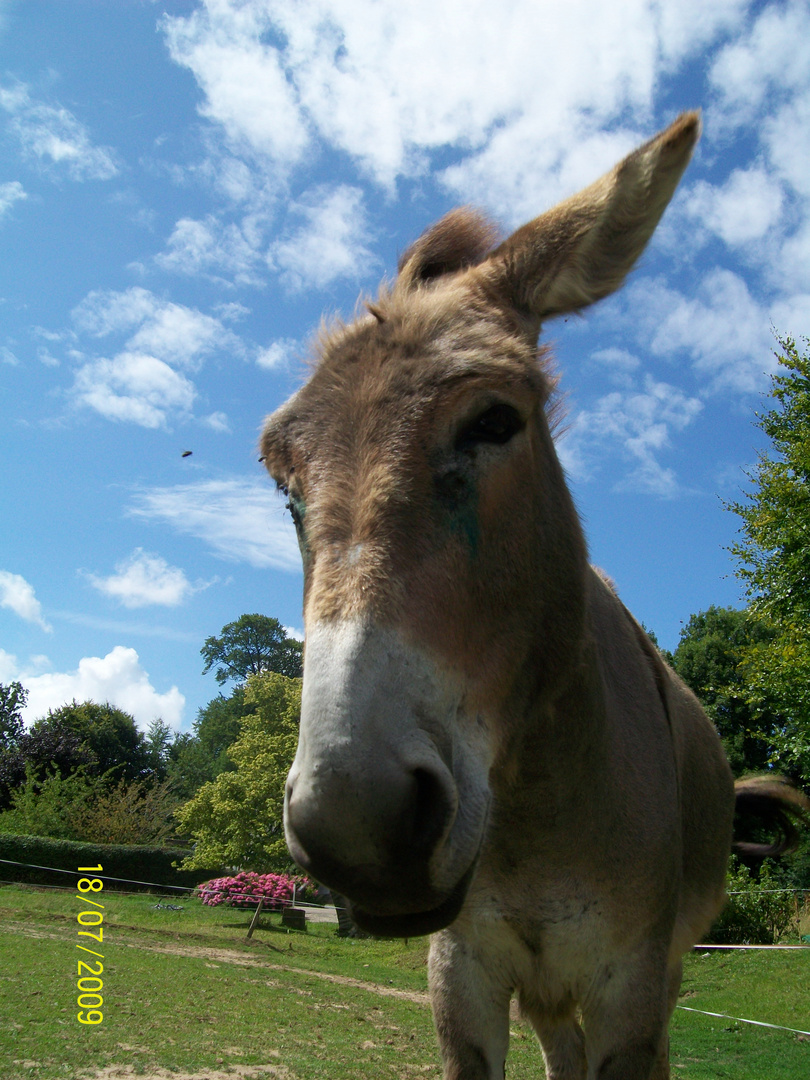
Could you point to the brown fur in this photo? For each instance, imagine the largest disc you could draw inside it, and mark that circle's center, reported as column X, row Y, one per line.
column 491, row 748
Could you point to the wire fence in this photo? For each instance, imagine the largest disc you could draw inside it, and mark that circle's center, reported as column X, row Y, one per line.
column 189, row 889
column 282, row 902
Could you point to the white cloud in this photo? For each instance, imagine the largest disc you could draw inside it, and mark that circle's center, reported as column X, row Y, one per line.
column 10, row 193
column 772, row 58
column 117, row 677
column 140, row 384
column 389, row 84
column 53, row 136
column 722, row 328
column 640, row 423
column 277, row 354
column 134, row 387
column 246, row 89
column 619, row 364
column 241, row 520
column 17, row 595
column 743, row 209
column 218, row 421
column 144, row 579
column 762, row 79
column 174, row 333
column 180, row 335
column 786, row 134
column 103, row 312
column 331, row 243
column 213, row 248
column 9, row 668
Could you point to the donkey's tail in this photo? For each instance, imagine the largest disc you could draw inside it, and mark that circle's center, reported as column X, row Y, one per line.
column 779, row 805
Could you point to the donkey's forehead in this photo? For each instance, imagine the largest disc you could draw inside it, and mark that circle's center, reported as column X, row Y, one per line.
column 402, row 365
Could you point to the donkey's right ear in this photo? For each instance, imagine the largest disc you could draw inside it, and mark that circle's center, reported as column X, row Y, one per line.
column 457, row 241
column 583, row 249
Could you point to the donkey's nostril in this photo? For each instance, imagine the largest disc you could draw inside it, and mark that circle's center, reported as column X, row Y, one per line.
column 432, row 811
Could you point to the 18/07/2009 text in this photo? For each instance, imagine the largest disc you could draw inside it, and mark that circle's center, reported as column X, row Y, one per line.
column 89, row 971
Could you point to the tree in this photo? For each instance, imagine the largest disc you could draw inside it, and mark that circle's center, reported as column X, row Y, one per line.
column 109, row 733
column 43, row 805
column 773, row 557
column 158, row 744
column 709, row 658
column 218, row 725
column 201, row 755
column 48, row 746
column 12, row 702
column 252, row 645
column 92, row 809
column 236, row 820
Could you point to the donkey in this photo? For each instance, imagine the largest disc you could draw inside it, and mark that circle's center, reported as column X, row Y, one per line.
column 491, row 750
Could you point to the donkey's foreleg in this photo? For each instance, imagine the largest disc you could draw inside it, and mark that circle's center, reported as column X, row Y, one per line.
column 561, row 1040
column 470, row 1009
column 626, row 1025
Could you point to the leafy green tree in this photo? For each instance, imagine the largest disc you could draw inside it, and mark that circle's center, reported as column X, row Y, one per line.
column 201, row 755
column 709, row 659
column 189, row 766
column 773, row 557
column 218, row 725
column 89, row 808
column 236, row 820
column 44, row 805
column 127, row 813
column 759, row 911
column 252, row 645
column 109, row 733
column 12, row 702
column 46, row 747
column 158, row 743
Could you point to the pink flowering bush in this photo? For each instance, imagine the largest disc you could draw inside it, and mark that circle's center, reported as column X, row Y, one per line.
column 247, row 888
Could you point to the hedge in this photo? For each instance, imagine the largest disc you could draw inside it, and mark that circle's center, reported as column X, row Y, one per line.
column 138, row 866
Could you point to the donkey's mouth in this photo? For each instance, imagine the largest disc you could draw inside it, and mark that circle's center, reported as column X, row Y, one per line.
column 415, row 923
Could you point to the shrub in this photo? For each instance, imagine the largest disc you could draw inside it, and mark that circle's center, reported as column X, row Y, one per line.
column 129, row 868
column 758, row 911
column 91, row 809
column 247, row 888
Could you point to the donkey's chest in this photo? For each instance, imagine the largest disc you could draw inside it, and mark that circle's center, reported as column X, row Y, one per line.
column 552, row 946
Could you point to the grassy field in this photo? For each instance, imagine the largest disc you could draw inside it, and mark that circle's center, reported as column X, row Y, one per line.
column 186, row 996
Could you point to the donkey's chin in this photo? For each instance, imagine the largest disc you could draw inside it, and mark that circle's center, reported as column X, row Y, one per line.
column 415, row 923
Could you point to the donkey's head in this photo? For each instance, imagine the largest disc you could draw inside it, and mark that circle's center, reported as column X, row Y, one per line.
column 444, row 565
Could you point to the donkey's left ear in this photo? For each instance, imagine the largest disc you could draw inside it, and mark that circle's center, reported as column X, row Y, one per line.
column 583, row 249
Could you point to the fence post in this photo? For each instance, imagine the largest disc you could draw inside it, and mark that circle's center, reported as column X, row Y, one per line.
column 255, row 919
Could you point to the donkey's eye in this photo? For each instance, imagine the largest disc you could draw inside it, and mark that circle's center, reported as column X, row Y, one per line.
column 297, row 510
column 497, row 425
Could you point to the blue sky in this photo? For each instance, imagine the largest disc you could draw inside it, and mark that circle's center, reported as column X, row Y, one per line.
column 186, row 187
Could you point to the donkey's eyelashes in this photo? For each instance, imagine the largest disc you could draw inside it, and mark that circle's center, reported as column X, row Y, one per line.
column 495, row 426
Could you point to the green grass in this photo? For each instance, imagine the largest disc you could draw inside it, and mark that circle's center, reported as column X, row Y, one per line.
column 185, row 992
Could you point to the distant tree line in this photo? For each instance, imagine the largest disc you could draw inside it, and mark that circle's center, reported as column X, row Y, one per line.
column 86, row 772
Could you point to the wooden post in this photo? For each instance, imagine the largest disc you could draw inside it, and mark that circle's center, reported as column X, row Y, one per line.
column 255, row 919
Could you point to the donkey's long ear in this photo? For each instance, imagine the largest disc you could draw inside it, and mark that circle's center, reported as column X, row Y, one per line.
column 459, row 240
column 584, row 248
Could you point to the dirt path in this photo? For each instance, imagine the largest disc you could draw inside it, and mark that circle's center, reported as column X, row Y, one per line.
column 233, row 956
column 238, row 1072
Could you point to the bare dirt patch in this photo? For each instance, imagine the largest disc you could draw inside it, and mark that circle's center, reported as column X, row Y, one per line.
column 238, row 958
